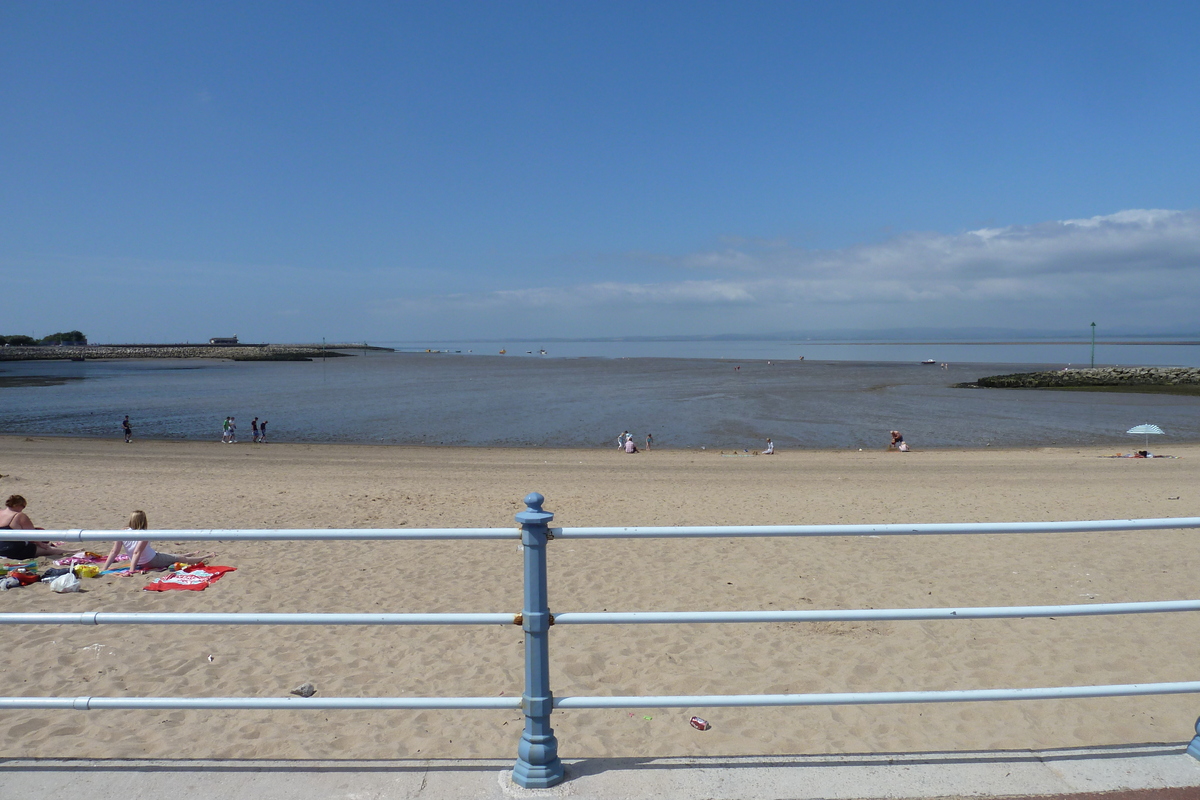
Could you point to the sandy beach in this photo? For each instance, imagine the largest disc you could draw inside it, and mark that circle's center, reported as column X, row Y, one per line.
column 74, row 483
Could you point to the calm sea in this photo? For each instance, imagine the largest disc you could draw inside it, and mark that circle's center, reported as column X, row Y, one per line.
column 580, row 394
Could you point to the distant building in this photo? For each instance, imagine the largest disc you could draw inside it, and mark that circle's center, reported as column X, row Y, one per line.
column 223, row 340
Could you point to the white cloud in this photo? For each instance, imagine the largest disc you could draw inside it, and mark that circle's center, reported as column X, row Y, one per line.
column 1122, row 249
column 1137, row 216
column 1135, row 262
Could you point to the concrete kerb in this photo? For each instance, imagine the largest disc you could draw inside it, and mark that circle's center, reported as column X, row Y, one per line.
column 998, row 774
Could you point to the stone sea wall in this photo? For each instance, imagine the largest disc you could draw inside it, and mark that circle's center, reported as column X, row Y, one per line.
column 1098, row 376
column 261, row 352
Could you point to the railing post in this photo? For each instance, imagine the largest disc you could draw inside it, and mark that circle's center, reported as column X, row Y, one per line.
column 538, row 765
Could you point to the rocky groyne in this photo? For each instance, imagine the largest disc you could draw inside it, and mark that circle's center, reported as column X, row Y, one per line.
column 1131, row 378
column 249, row 352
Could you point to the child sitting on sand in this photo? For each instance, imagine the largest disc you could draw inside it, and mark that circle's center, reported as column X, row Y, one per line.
column 141, row 555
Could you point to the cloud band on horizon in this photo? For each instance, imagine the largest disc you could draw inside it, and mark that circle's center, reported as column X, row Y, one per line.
column 1136, row 261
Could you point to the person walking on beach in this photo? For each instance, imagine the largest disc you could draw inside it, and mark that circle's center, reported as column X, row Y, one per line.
column 128, row 429
column 232, row 431
column 624, row 437
column 225, row 431
column 262, row 432
column 649, row 440
column 254, row 429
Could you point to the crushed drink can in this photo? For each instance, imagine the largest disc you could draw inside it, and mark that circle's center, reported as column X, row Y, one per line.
column 699, row 723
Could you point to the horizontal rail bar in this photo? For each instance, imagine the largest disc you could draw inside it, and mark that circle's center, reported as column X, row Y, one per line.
column 870, row 614
column 594, row 618
column 251, row 703
column 732, row 531
column 889, row 529
column 663, row 701
column 877, row 698
column 268, row 535
column 165, row 618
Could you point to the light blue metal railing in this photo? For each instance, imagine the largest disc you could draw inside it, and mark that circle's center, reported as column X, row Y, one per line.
column 538, row 764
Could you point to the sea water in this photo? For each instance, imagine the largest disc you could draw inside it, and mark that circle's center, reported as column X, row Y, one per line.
column 735, row 399
column 1052, row 354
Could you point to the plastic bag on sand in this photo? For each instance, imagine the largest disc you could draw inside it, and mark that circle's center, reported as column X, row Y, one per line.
column 65, row 583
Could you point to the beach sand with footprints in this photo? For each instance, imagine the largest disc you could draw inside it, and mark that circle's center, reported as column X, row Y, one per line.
column 92, row 484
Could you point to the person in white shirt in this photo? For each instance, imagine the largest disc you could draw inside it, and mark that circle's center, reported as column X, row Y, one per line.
column 141, row 555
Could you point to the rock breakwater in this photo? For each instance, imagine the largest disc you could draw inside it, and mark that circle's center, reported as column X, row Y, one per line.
column 1097, row 377
column 259, row 352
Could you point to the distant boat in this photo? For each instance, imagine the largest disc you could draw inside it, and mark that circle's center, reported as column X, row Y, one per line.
column 929, row 361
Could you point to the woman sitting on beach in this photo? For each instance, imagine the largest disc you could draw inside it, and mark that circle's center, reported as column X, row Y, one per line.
column 13, row 518
column 770, row 451
column 630, row 447
column 141, row 555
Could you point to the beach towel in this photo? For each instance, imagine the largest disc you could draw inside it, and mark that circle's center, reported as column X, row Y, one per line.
column 1135, row 455
column 84, row 557
column 195, row 578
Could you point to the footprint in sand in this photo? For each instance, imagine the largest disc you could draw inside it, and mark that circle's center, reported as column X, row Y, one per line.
column 26, row 727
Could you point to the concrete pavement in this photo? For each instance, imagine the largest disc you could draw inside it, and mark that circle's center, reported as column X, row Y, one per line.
column 1142, row 772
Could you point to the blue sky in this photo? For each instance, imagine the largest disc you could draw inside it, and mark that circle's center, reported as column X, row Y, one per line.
column 372, row 171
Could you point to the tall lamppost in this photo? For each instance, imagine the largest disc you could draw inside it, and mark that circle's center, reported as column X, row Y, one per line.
column 1093, row 345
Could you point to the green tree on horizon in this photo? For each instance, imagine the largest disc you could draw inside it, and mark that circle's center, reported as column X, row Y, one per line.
column 65, row 337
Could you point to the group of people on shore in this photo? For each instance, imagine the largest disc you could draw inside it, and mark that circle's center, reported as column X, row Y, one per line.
column 625, row 442
column 229, row 430
column 139, row 553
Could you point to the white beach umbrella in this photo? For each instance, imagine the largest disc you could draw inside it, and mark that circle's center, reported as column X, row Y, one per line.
column 1146, row 429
